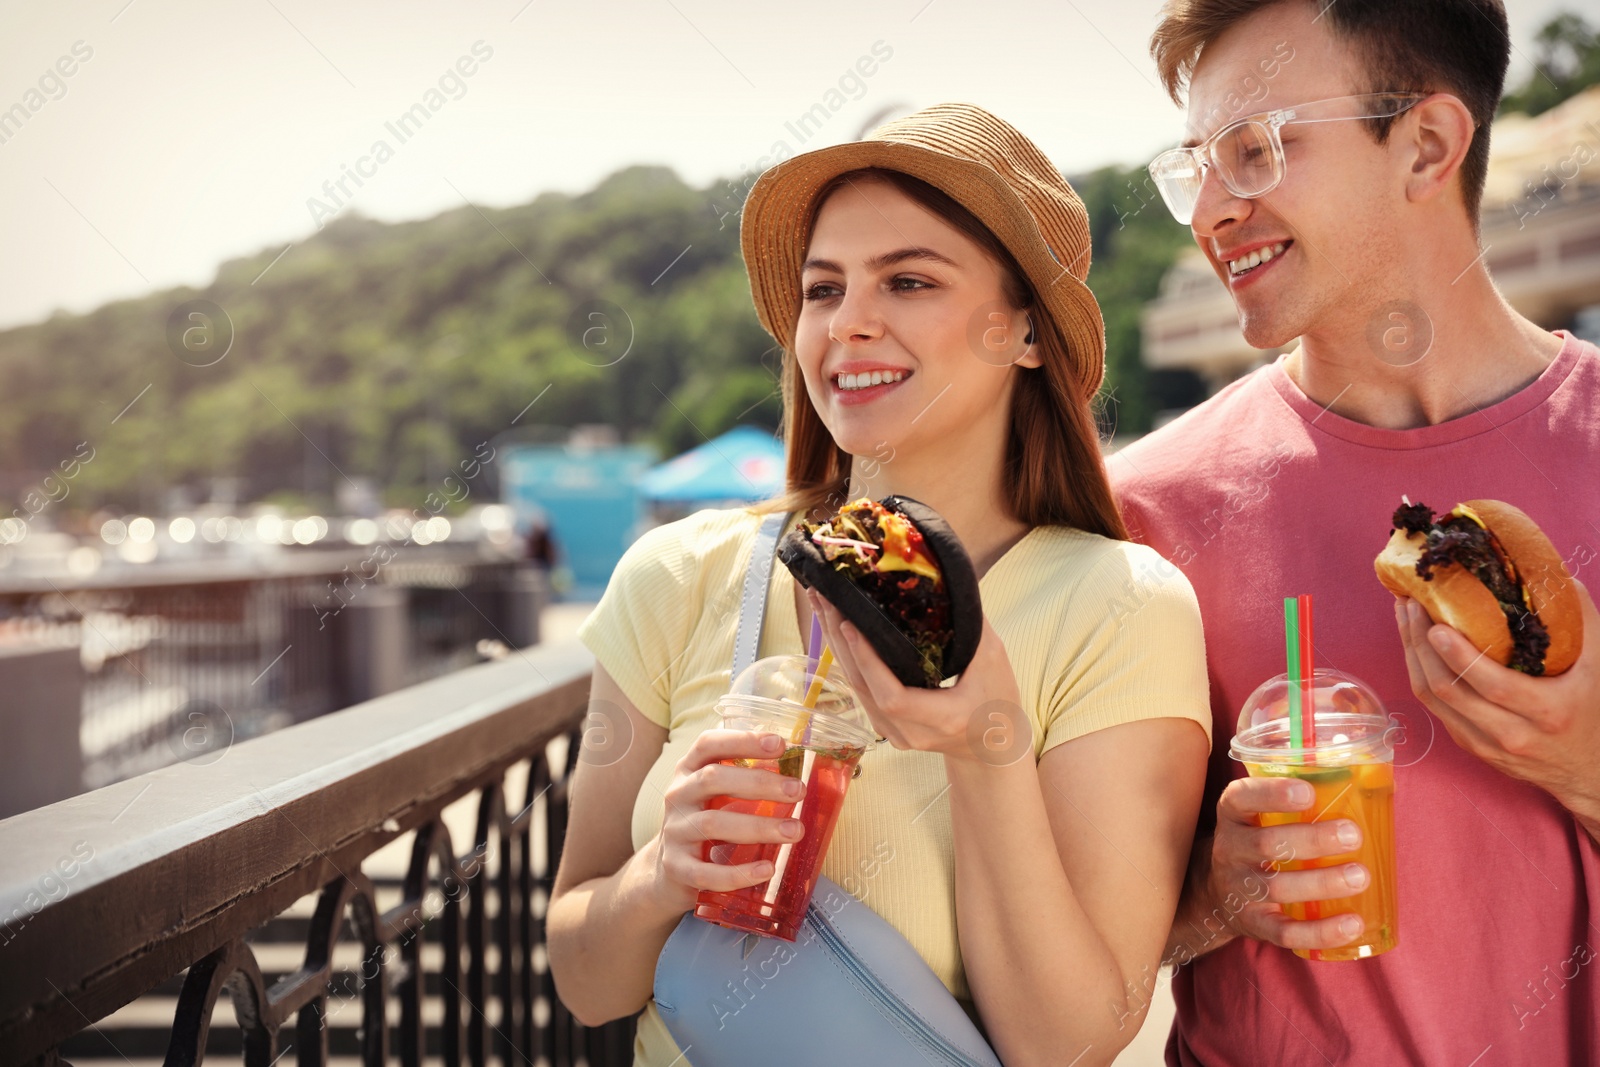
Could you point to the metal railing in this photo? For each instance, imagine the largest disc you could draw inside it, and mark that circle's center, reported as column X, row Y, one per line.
column 174, row 657
column 108, row 895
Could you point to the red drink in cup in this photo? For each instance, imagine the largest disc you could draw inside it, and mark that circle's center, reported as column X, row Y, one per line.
column 777, row 906
column 826, row 743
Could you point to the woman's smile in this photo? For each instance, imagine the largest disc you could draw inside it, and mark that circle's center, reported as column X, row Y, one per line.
column 856, row 382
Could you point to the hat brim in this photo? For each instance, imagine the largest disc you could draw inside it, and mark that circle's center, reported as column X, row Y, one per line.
column 773, row 235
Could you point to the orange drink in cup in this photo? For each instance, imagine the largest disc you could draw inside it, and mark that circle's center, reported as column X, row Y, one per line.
column 1349, row 765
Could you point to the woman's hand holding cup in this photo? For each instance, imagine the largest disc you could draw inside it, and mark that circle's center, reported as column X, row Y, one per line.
column 701, row 776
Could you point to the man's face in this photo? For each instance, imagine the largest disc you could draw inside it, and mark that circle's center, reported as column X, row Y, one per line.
column 1330, row 225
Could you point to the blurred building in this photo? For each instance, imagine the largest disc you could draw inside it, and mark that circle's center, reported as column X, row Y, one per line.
column 1541, row 236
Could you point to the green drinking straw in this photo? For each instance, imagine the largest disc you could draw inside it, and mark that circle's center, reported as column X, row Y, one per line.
column 1291, row 633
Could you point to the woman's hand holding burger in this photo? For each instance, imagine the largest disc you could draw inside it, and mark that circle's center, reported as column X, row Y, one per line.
column 935, row 719
column 897, row 597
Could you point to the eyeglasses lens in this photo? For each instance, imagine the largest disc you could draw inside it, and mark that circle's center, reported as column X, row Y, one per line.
column 1246, row 159
column 1178, row 179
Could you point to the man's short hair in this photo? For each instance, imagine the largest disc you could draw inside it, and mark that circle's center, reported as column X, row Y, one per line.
column 1457, row 46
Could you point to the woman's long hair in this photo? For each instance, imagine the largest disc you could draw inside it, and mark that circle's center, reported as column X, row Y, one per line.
column 1053, row 472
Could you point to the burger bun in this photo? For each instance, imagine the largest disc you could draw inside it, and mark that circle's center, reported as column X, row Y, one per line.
column 1456, row 598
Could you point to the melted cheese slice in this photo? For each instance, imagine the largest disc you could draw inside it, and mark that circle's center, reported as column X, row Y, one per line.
column 897, row 554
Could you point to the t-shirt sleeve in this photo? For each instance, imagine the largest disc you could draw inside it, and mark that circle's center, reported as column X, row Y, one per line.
column 1140, row 654
column 641, row 625
column 1130, row 506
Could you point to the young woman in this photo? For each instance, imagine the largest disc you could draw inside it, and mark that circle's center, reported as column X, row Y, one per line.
column 1027, row 826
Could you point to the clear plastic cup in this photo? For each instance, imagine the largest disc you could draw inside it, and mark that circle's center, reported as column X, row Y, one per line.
column 1351, row 768
column 826, row 743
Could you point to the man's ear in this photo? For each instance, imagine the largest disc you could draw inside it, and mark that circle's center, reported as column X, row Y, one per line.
column 1439, row 134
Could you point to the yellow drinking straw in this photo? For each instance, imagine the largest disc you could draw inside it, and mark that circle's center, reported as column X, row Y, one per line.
column 803, row 723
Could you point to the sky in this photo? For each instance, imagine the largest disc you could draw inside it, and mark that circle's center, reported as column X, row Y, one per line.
column 163, row 137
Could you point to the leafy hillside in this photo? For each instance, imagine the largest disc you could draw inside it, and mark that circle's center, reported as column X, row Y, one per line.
column 1566, row 60
column 390, row 351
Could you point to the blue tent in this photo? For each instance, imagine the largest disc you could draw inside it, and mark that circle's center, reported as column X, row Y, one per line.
column 588, row 497
column 745, row 463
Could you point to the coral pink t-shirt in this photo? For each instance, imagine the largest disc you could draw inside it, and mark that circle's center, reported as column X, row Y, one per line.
column 1260, row 493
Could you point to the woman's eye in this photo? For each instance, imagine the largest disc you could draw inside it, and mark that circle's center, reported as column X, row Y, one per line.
column 820, row 291
column 907, row 285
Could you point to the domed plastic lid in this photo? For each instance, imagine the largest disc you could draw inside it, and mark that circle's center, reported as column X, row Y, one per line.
column 773, row 690
column 1350, row 719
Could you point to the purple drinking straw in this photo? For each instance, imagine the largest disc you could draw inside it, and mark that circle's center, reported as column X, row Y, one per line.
column 814, row 654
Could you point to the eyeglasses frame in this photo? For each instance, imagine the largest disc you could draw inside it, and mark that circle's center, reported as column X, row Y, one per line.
column 1200, row 155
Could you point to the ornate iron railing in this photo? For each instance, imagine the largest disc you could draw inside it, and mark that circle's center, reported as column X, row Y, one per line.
column 107, row 895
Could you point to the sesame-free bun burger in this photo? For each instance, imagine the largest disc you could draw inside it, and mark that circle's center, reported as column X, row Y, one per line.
column 1487, row 569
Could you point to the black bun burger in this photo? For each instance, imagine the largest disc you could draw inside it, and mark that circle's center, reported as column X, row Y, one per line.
column 894, row 568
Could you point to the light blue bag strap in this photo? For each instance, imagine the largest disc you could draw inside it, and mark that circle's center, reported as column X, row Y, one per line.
column 757, row 576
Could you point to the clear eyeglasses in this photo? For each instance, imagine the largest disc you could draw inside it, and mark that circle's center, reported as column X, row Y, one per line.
column 1248, row 154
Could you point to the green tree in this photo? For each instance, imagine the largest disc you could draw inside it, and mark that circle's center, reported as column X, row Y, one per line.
column 1134, row 239
column 1566, row 61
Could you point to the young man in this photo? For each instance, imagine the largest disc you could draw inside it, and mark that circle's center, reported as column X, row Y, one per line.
column 1412, row 376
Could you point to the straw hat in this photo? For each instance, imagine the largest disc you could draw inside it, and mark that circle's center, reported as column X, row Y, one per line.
column 981, row 161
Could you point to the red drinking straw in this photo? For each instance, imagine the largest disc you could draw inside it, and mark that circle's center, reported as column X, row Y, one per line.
column 1308, row 707
column 1308, row 710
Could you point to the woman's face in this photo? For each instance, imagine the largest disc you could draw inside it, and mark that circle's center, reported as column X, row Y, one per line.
column 894, row 294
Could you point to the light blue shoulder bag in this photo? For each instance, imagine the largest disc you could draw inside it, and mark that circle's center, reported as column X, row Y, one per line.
column 850, row 989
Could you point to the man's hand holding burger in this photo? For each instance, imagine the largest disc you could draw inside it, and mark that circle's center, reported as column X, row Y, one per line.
column 1541, row 726
column 1542, row 730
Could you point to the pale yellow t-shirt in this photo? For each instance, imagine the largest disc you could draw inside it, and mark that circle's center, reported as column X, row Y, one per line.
column 1098, row 631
